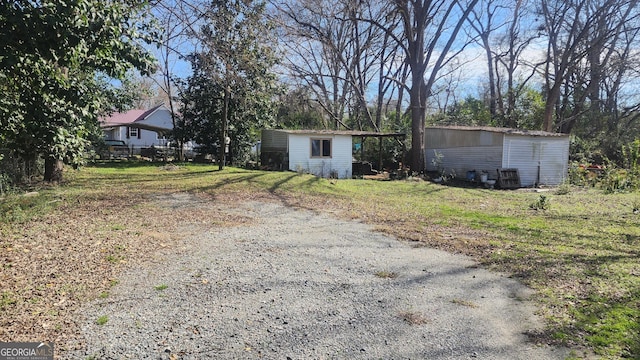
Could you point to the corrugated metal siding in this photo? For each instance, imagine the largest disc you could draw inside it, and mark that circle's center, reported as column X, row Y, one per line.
column 459, row 160
column 340, row 161
column 539, row 160
column 555, row 161
column 464, row 150
column 273, row 140
column 442, row 138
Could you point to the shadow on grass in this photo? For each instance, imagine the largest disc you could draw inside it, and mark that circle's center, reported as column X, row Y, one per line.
column 603, row 305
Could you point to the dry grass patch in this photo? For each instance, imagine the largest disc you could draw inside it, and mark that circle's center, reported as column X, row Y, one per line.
column 413, row 318
column 385, row 274
column 54, row 263
column 466, row 303
column 581, row 255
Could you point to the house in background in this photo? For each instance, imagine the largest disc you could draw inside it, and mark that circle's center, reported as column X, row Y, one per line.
column 139, row 128
column 541, row 158
column 324, row 153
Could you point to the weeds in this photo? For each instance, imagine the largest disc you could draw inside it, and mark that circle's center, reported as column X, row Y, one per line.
column 161, row 287
column 102, row 320
column 610, row 177
column 6, row 300
column 543, row 203
column 563, row 189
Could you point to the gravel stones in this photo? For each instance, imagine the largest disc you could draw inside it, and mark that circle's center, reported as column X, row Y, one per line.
column 301, row 285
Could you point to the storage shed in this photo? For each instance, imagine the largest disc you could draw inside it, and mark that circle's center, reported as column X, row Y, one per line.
column 324, row 153
column 541, row 158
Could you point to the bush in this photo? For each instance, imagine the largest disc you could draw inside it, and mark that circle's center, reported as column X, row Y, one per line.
column 543, row 203
column 610, row 177
column 16, row 171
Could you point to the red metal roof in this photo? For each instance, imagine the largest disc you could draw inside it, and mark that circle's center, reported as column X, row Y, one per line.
column 128, row 117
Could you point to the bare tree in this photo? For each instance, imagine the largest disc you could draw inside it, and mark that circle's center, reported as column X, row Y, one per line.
column 579, row 34
column 429, row 41
column 313, row 38
column 509, row 59
column 178, row 21
column 340, row 57
column 483, row 21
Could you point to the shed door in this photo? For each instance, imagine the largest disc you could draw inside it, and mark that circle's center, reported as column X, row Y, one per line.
column 524, row 155
column 554, row 161
column 539, row 161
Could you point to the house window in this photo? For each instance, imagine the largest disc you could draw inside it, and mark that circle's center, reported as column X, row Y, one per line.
column 321, row 148
column 133, row 132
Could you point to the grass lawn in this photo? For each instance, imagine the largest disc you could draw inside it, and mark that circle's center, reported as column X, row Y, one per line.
column 581, row 254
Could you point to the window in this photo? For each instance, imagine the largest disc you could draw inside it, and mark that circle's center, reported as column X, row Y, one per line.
column 320, row 147
column 133, row 132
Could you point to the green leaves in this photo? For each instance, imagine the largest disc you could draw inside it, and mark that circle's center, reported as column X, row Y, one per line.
column 52, row 52
column 237, row 54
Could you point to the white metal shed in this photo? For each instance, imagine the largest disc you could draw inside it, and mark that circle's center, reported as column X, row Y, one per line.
column 540, row 157
column 322, row 153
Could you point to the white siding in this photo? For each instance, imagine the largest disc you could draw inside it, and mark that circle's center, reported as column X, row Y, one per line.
column 340, row 161
column 539, row 160
column 555, row 161
column 147, row 138
column 161, row 117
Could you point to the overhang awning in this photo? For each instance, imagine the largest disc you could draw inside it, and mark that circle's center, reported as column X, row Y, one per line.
column 157, row 129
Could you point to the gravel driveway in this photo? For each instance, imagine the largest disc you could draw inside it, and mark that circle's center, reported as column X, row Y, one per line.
column 300, row 285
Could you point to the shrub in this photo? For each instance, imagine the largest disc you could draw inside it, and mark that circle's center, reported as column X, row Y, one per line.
column 543, row 203
column 608, row 176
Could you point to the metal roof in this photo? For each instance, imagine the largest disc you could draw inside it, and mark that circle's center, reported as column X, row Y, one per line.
column 340, row 132
column 509, row 131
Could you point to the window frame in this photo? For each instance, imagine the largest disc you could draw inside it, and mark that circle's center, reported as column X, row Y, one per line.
column 133, row 132
column 321, row 148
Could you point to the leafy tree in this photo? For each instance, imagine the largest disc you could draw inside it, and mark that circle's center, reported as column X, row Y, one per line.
column 51, row 53
column 230, row 93
column 528, row 112
column 297, row 110
column 470, row 111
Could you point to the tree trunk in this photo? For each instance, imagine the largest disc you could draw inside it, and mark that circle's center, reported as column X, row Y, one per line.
column 417, row 122
column 223, row 134
column 53, row 170
column 550, row 108
column 492, row 80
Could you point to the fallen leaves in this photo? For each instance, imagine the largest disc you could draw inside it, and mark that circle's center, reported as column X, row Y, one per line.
column 54, row 264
